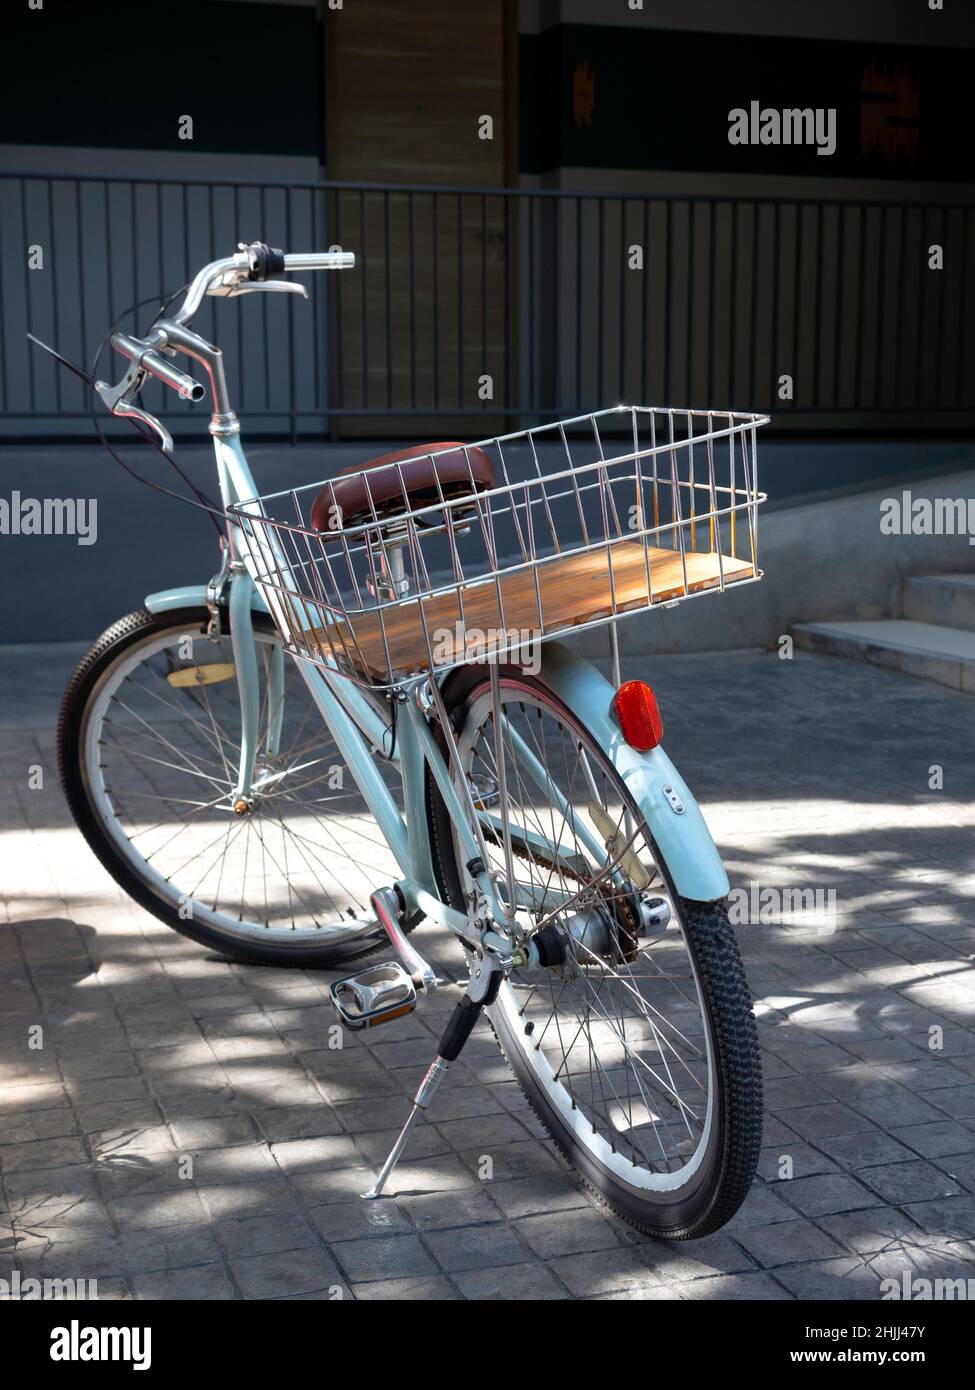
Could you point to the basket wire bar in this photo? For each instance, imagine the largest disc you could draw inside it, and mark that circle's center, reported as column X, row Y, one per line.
column 588, row 520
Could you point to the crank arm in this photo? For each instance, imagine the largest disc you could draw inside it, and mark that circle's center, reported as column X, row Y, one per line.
column 385, row 905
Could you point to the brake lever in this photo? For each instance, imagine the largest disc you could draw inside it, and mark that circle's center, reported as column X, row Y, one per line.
column 114, row 398
column 135, row 412
column 235, row 289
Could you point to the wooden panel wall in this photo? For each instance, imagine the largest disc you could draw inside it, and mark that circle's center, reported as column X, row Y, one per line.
column 406, row 86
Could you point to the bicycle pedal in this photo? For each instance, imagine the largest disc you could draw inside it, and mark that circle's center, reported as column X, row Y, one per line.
column 376, row 995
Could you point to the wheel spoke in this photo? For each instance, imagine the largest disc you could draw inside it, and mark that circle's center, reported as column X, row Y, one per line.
column 303, row 856
column 620, row 1023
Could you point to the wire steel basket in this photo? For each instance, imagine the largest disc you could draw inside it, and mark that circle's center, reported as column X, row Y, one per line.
column 584, row 521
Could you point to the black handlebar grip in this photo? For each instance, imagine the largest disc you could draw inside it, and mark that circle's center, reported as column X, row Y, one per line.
column 266, row 261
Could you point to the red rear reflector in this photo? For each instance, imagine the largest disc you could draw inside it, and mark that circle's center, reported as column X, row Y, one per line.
column 636, row 709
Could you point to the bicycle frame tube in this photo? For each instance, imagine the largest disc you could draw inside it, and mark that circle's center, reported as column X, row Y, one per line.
column 237, row 484
column 354, row 723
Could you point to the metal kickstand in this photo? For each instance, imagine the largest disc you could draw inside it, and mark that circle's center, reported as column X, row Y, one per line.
column 482, row 988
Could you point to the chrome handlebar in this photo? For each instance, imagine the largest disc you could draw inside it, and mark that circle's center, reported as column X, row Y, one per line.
column 226, row 275
column 144, row 356
column 243, row 273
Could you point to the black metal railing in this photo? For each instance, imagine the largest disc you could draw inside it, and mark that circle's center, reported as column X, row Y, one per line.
column 521, row 304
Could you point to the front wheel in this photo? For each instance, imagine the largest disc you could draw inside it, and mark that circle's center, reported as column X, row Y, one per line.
column 638, row 1051
column 148, row 747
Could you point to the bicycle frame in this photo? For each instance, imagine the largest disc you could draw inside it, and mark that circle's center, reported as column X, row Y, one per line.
column 355, row 724
column 358, row 727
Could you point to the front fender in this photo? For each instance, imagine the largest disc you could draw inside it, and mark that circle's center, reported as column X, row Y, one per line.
column 191, row 596
column 683, row 839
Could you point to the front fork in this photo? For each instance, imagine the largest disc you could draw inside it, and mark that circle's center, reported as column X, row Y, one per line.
column 248, row 684
column 247, row 670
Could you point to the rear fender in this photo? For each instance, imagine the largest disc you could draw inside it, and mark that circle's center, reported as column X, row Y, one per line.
column 682, row 836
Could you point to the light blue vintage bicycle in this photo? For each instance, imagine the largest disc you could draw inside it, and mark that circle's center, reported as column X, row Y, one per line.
column 361, row 722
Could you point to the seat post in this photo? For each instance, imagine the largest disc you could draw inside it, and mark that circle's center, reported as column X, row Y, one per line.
column 392, row 580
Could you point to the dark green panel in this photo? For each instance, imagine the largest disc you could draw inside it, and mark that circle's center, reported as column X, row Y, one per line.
column 660, row 100
column 120, row 75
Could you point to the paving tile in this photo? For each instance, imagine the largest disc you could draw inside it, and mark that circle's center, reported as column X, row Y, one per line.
column 310, row 1155
column 781, row 1162
column 441, row 1210
column 960, row 1168
column 297, row 1122
column 556, row 1192
column 39, row 1124
column 431, row 1290
column 285, row 1274
column 505, row 1162
column 958, row 1101
column 197, row 1282
column 140, row 1114
column 763, row 1206
column 235, row 1201
column 425, row 1142
column 554, row 1234
column 735, row 1288
column 511, row 1283
column 159, row 1209
column 953, row 1216
column 487, row 1132
column 476, row 1247
column 603, row 1271
column 264, row 1235
column 383, row 1257
column 436, row 1174
column 789, row 1242
column 76, row 1181
column 42, row 1153
column 677, row 1261
column 867, row 1230
column 829, row 1193
column 352, row 1220
column 916, row 1181
column 793, row 1093
column 341, row 1185
column 903, row 1108
column 844, row 1280
column 864, row 1148
column 816, row 1122
column 213, row 1132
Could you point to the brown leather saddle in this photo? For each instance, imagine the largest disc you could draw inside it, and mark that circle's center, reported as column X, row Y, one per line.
column 401, row 481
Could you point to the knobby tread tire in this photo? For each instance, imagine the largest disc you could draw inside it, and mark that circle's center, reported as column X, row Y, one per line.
column 738, row 1132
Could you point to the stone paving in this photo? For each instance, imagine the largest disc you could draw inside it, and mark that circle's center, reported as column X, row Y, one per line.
column 815, row 774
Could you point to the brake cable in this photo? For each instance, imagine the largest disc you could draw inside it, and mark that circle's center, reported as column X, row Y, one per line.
column 202, row 502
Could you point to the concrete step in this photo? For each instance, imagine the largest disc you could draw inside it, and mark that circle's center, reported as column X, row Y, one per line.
column 945, row 599
column 926, row 650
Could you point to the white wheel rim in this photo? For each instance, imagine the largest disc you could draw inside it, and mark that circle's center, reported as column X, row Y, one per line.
column 331, row 929
column 508, row 1012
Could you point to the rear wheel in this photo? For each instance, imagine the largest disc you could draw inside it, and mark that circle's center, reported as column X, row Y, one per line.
column 639, row 1052
column 148, row 746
